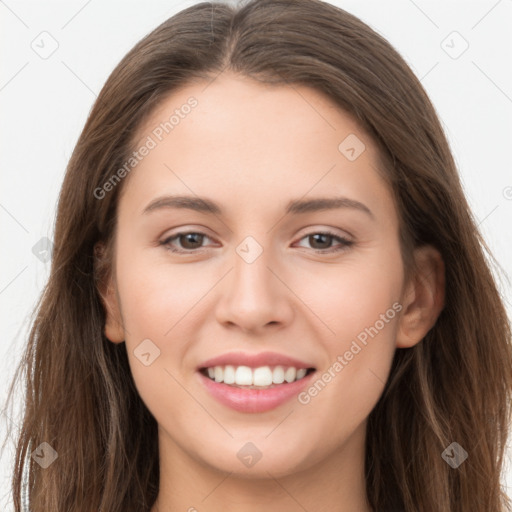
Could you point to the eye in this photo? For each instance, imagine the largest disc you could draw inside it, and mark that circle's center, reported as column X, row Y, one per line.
column 191, row 241
column 324, row 238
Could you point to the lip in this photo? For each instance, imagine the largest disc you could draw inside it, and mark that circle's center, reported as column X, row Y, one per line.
column 254, row 400
column 254, row 360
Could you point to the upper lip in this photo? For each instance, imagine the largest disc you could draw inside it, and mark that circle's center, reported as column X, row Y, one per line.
column 254, row 360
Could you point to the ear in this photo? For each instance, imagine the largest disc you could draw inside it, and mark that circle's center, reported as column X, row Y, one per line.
column 423, row 297
column 114, row 328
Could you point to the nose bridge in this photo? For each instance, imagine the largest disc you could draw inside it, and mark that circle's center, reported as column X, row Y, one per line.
column 253, row 296
column 252, row 279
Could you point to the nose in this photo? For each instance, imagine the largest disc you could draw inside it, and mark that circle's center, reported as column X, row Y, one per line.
column 254, row 296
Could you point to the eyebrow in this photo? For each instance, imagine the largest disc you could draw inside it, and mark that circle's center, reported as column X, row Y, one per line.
column 298, row 206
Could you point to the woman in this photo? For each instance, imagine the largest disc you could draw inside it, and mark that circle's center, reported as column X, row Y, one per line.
column 256, row 369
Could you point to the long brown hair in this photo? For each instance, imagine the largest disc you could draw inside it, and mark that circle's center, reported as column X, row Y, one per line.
column 453, row 386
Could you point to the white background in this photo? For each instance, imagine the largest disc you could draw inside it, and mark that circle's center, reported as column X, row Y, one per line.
column 44, row 104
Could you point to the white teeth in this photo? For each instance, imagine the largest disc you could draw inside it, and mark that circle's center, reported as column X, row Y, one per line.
column 262, row 376
column 301, row 373
column 243, row 376
column 278, row 375
column 229, row 375
column 219, row 374
column 290, row 374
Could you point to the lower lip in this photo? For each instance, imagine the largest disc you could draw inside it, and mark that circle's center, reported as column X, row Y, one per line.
column 254, row 400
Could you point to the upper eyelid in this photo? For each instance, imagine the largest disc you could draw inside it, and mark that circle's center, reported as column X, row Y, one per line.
column 311, row 229
column 183, row 233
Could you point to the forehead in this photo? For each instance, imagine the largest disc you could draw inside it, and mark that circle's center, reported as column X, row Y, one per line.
column 247, row 143
column 247, row 110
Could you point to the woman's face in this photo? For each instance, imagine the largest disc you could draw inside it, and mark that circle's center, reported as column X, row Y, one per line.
column 258, row 277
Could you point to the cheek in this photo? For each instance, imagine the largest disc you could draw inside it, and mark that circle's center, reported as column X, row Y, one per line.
column 156, row 301
column 157, row 304
column 156, row 295
column 352, row 296
column 360, row 305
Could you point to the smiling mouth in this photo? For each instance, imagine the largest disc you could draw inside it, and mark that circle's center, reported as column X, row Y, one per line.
column 264, row 377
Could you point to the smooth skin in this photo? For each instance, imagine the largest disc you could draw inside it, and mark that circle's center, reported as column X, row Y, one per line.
column 252, row 148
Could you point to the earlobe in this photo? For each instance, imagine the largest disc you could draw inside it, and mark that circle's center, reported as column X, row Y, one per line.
column 423, row 298
column 114, row 329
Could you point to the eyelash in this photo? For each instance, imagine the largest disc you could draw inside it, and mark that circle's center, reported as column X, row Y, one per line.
column 345, row 242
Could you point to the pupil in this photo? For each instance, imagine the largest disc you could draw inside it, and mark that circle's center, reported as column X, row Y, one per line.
column 320, row 235
column 187, row 239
